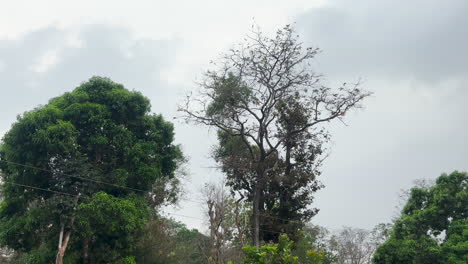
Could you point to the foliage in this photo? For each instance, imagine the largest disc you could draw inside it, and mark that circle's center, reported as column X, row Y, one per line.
column 38, row 255
column 313, row 237
column 94, row 147
column 433, row 227
column 128, row 215
column 169, row 242
column 287, row 192
column 267, row 102
column 281, row 253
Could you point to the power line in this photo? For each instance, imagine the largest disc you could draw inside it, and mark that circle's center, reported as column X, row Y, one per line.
column 197, row 218
column 73, row 176
column 72, row 195
column 42, row 189
column 85, row 179
column 65, row 193
column 115, row 185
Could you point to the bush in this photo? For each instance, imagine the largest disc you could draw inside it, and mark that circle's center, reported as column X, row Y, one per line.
column 280, row 253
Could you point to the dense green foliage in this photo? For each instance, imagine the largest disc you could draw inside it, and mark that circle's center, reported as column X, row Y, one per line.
column 288, row 190
column 314, row 238
column 85, row 163
column 113, row 223
column 433, row 227
column 281, row 253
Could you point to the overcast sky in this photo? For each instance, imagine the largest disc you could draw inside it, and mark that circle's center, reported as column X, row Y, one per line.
column 411, row 54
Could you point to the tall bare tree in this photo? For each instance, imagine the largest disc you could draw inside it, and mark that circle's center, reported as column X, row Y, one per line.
column 352, row 246
column 264, row 95
column 227, row 223
column 216, row 198
column 356, row 245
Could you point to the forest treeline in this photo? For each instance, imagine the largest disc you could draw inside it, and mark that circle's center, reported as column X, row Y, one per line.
column 84, row 177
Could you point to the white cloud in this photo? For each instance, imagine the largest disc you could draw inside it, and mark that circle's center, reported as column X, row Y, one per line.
column 46, row 62
column 73, row 39
column 152, row 18
column 205, row 28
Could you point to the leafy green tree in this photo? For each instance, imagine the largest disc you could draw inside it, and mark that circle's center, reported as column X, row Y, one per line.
column 316, row 238
column 433, row 227
column 280, row 253
column 129, row 215
column 288, row 192
column 82, row 171
column 264, row 95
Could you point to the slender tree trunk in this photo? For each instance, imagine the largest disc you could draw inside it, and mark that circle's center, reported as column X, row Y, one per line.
column 211, row 213
column 63, row 247
column 240, row 230
column 63, row 241
column 284, row 195
column 258, row 202
column 256, row 215
column 62, row 227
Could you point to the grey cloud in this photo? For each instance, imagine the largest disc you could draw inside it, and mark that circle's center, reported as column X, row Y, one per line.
column 412, row 55
column 420, row 39
column 94, row 50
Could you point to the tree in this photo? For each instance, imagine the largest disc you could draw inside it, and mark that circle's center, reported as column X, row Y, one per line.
column 352, row 246
column 281, row 253
column 316, row 238
column 433, row 226
column 217, row 200
column 228, row 220
column 82, row 171
column 405, row 194
column 129, row 216
column 169, row 242
column 264, row 96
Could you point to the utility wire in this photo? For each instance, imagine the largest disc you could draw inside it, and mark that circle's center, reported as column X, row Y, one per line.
column 86, row 179
column 113, row 185
column 73, row 176
column 42, row 189
column 72, row 195
column 197, row 218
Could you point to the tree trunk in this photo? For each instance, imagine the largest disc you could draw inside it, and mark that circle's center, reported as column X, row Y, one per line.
column 256, row 214
column 63, row 241
column 62, row 247
column 284, row 196
column 240, row 230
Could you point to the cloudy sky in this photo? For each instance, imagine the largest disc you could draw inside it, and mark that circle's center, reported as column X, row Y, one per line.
column 411, row 54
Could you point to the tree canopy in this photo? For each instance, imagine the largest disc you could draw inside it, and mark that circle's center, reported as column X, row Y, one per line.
column 433, row 227
column 91, row 162
column 270, row 108
column 281, row 253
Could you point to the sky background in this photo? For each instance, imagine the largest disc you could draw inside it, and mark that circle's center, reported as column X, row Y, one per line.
column 411, row 54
